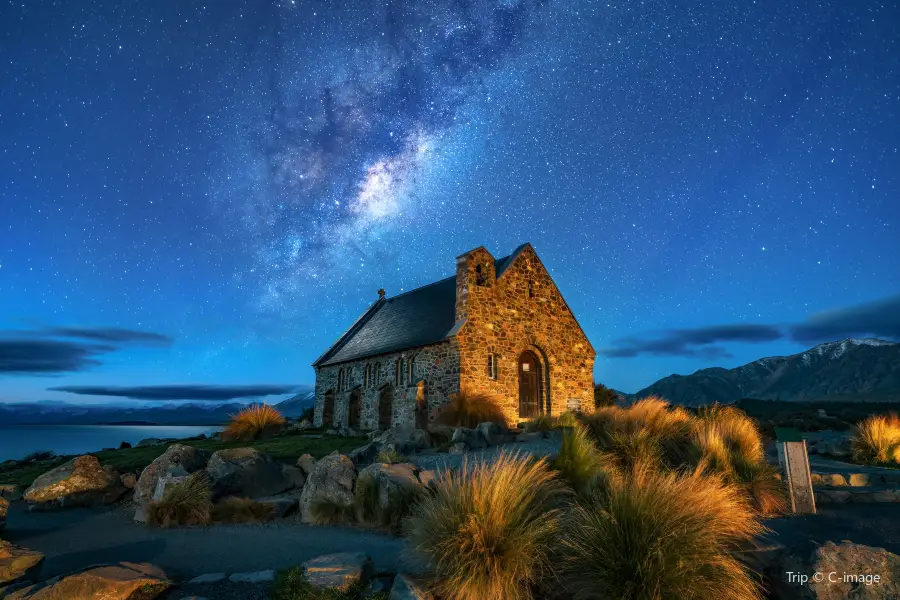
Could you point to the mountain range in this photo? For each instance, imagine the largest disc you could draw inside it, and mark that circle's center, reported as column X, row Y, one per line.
column 847, row 370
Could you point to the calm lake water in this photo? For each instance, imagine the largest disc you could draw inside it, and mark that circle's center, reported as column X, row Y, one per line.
column 20, row 440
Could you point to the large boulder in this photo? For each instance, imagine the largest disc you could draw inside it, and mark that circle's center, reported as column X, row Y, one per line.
column 11, row 492
column 246, row 472
column 392, row 482
column 470, row 437
column 78, row 482
column 404, row 440
column 122, row 581
column 845, row 571
column 306, row 463
column 340, row 571
column 364, row 455
column 17, row 563
column 332, row 479
column 405, row 588
column 492, row 433
column 4, row 507
column 173, row 461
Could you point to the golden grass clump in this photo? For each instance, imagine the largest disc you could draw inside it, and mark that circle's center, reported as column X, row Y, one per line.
column 186, row 503
column 655, row 535
column 488, row 531
column 242, row 510
column 739, row 432
column 566, row 419
column 876, row 440
column 468, row 409
column 580, row 464
column 542, row 423
column 253, row 423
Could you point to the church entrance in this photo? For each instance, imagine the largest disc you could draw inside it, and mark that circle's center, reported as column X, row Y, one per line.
column 354, row 409
column 529, row 385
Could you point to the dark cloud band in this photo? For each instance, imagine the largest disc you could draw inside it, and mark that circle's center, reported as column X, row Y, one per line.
column 875, row 319
column 47, row 357
column 209, row 393
column 696, row 343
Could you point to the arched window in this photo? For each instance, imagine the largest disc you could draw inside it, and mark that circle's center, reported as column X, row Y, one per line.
column 366, row 374
column 411, row 370
column 480, row 276
column 340, row 383
column 377, row 373
column 398, row 372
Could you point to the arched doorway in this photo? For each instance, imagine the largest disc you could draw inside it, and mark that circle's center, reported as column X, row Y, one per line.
column 421, row 406
column 328, row 409
column 385, row 407
column 529, row 385
column 354, row 409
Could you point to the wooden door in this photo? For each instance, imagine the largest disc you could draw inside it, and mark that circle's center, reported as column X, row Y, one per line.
column 529, row 385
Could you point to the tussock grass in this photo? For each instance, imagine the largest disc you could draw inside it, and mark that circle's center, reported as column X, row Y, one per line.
column 390, row 456
column 655, row 535
column 242, row 510
column 542, row 423
column 328, row 512
column 876, row 441
column 566, row 419
column 468, row 409
column 253, row 423
column 487, row 532
column 187, row 503
column 738, row 431
column 580, row 464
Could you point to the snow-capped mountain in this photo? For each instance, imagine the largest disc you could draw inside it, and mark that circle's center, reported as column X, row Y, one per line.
column 847, row 370
column 296, row 405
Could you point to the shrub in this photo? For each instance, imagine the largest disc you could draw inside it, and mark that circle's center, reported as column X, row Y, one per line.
column 579, row 463
column 541, row 423
column 186, row 503
column 660, row 536
column 876, row 440
column 254, row 422
column 739, row 432
column 292, row 585
column 487, row 531
column 567, row 419
column 328, row 512
column 468, row 409
column 390, row 456
column 763, row 486
column 604, row 396
column 242, row 510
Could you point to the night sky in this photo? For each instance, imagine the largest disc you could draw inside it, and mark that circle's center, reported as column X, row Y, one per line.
column 209, row 194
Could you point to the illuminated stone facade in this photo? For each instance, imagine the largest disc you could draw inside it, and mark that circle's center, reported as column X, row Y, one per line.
column 514, row 337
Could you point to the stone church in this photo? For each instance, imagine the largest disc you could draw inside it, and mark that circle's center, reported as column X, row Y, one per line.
column 498, row 326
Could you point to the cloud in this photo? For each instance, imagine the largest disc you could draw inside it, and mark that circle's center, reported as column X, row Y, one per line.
column 695, row 343
column 108, row 334
column 873, row 319
column 20, row 356
column 179, row 392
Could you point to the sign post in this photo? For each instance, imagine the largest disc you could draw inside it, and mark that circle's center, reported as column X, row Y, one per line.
column 793, row 460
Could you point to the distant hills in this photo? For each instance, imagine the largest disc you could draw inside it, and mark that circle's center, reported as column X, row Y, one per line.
column 297, row 405
column 848, row 370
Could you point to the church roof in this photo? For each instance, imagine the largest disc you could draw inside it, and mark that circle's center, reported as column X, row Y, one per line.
column 419, row 317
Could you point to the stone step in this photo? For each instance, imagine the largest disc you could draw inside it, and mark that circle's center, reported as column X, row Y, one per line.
column 856, row 495
column 853, row 479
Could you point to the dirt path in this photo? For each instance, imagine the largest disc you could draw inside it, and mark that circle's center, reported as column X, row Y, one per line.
column 77, row 538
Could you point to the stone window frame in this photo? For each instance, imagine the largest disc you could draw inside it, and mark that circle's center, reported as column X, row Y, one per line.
column 492, row 365
column 481, row 276
column 340, row 379
column 410, row 369
column 367, row 373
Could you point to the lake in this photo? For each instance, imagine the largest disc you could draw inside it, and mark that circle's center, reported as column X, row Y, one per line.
column 20, row 440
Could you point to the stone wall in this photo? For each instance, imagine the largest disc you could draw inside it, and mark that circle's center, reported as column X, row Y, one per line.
column 436, row 373
column 522, row 310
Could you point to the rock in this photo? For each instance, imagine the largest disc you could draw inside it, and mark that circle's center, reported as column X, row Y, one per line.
column 17, row 563
column 149, row 442
column 376, row 586
column 364, row 455
column 78, row 482
column 294, row 476
column 392, row 481
column 405, row 588
column 406, row 440
column 429, row 478
column 124, row 445
column 174, row 476
column 4, row 507
column 331, row 432
column 332, row 479
column 348, row 432
column 858, row 479
column 339, row 570
column 209, row 578
column 832, row 496
column 253, row 577
column 492, row 433
column 122, row 581
column 848, row 571
column 188, row 458
column 129, row 480
column 458, row 448
column 530, row 436
column 11, row 492
column 304, row 424
column 248, row 473
column 281, row 507
column 307, row 463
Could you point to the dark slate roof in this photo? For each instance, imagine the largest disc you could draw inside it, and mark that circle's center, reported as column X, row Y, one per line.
column 418, row 317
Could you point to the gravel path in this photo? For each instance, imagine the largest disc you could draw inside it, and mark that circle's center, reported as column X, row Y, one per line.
column 443, row 460
column 77, row 538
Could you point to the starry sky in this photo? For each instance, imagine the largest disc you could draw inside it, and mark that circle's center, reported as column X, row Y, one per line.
column 197, row 198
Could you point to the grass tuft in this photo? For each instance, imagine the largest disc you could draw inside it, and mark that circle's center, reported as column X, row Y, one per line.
column 186, row 503
column 567, row 419
column 253, row 423
column 328, row 512
column 876, row 441
column 738, row 431
column 390, row 456
column 542, row 423
column 242, row 510
column 579, row 463
column 488, row 530
column 292, row 585
column 469, row 409
column 660, row 536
